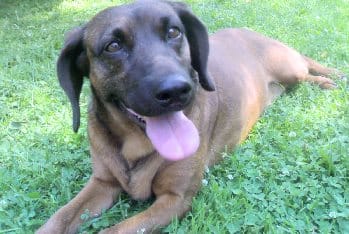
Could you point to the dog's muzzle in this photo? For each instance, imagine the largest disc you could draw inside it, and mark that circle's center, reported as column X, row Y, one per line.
column 172, row 134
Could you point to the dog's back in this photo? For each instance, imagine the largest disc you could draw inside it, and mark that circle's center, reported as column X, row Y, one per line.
column 249, row 71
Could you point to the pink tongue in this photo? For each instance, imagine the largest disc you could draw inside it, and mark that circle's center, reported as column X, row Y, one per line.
column 173, row 135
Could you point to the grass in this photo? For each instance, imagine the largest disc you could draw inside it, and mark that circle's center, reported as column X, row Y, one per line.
column 290, row 176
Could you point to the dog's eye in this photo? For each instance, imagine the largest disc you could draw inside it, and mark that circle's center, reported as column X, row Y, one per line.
column 173, row 33
column 113, row 47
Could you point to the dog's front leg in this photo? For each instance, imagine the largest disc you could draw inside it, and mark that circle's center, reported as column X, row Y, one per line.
column 93, row 198
column 174, row 187
column 159, row 214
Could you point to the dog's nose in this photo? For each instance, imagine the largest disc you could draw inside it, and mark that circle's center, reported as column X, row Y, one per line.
column 175, row 90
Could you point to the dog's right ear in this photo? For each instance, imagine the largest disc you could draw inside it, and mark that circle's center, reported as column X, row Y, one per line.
column 72, row 66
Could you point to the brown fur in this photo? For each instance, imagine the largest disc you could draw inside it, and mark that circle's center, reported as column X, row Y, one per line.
column 248, row 70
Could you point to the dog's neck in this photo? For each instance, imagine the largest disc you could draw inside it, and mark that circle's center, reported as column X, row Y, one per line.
column 133, row 150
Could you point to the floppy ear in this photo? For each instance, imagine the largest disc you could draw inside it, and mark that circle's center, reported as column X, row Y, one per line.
column 198, row 41
column 72, row 66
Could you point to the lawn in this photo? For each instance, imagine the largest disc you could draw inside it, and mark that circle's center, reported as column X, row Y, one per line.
column 290, row 176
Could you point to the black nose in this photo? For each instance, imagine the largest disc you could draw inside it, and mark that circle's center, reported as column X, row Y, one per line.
column 175, row 90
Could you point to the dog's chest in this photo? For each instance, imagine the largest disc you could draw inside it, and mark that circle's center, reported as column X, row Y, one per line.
column 142, row 163
column 141, row 176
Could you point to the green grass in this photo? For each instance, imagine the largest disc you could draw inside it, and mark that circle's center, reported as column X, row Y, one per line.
column 290, row 176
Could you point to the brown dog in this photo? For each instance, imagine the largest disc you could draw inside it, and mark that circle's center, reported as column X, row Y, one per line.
column 153, row 125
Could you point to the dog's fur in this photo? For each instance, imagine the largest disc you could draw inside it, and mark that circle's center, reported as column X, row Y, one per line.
column 246, row 70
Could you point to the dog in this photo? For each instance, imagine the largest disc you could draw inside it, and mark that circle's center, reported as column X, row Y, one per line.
column 167, row 99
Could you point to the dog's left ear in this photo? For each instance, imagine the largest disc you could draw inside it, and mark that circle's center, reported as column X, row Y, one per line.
column 198, row 41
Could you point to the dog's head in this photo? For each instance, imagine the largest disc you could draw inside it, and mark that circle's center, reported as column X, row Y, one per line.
column 146, row 58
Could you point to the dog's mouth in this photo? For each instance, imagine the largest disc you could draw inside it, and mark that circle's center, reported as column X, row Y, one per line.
column 173, row 135
column 132, row 115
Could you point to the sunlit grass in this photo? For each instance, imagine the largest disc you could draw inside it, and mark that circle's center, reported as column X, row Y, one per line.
column 291, row 175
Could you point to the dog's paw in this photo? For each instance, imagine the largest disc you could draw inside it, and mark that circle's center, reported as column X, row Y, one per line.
column 328, row 85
